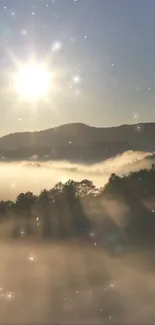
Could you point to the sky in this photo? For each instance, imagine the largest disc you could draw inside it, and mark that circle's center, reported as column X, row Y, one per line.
column 101, row 54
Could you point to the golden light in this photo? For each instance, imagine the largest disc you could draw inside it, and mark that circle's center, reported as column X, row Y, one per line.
column 32, row 81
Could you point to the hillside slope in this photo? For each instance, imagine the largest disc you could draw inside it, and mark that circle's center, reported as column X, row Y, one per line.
column 78, row 141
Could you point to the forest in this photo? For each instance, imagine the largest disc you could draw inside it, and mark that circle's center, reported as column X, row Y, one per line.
column 119, row 216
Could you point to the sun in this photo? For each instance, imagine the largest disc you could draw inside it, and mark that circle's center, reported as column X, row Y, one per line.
column 32, row 81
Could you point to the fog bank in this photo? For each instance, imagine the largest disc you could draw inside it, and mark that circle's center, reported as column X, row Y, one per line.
column 34, row 176
column 66, row 283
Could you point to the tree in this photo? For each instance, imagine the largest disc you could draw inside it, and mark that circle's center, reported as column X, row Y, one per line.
column 24, row 205
column 5, row 209
column 45, row 203
column 62, row 209
column 85, row 188
column 80, row 222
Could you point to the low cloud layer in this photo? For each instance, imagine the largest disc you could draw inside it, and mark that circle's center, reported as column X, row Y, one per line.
column 66, row 284
column 35, row 176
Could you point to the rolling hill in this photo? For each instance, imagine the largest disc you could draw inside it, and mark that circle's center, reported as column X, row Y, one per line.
column 78, row 142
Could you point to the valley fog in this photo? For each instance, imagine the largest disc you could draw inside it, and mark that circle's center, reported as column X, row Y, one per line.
column 70, row 283
column 34, row 176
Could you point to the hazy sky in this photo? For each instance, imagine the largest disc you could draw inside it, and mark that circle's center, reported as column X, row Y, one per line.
column 101, row 51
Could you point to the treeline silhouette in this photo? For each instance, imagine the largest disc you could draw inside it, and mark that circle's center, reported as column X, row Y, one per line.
column 80, row 210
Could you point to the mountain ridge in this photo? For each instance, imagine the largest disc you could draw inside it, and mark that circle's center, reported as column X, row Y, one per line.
column 82, row 125
column 79, row 141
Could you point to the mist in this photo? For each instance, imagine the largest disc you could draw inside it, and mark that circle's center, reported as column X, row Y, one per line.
column 34, row 176
column 72, row 281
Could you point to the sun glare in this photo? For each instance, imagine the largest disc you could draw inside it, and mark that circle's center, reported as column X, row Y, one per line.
column 32, row 81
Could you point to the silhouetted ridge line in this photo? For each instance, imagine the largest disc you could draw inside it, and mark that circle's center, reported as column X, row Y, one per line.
column 78, row 142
